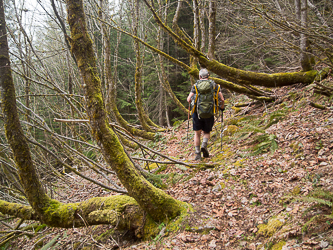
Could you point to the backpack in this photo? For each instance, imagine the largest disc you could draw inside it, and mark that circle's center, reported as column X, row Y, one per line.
column 205, row 101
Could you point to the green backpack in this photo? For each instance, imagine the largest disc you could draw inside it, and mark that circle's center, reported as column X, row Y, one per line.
column 205, row 99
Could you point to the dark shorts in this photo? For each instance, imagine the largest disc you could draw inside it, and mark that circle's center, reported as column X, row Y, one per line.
column 205, row 124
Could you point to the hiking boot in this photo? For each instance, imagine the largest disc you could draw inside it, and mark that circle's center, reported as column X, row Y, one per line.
column 197, row 156
column 204, row 151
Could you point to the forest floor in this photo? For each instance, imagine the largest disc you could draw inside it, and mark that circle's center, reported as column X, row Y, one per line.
column 249, row 200
column 257, row 195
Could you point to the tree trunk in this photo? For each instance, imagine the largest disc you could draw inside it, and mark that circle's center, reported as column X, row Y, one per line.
column 202, row 25
column 138, row 70
column 14, row 133
column 120, row 210
column 211, row 30
column 158, row 204
column 304, row 45
column 233, row 74
column 110, row 84
column 161, row 106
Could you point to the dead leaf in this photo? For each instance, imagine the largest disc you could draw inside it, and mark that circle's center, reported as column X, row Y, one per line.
column 295, row 210
column 311, row 242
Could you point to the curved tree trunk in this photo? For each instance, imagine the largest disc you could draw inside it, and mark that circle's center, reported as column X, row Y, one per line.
column 233, row 74
column 124, row 211
column 155, row 202
column 14, row 133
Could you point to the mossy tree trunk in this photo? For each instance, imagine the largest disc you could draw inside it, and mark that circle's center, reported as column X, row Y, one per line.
column 110, row 81
column 122, row 211
column 143, row 117
column 111, row 86
column 304, row 44
column 44, row 209
column 14, row 133
column 234, row 75
column 154, row 201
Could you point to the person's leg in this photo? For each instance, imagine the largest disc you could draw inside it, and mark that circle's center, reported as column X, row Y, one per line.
column 197, row 127
column 205, row 139
column 197, row 135
column 209, row 122
column 204, row 149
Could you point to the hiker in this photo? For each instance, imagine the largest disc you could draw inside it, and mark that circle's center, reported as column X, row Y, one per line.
column 204, row 96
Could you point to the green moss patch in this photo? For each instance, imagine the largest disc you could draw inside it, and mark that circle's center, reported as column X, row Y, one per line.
column 269, row 229
column 278, row 246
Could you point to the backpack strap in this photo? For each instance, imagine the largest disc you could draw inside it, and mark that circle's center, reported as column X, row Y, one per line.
column 216, row 97
column 196, row 98
column 212, row 91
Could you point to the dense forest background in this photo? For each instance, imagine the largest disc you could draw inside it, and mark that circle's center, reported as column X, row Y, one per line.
column 147, row 56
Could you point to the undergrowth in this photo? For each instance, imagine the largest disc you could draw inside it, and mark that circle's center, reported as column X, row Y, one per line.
column 252, row 129
column 320, row 198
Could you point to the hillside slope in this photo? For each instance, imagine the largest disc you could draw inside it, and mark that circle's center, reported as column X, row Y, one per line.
column 247, row 200
column 245, row 195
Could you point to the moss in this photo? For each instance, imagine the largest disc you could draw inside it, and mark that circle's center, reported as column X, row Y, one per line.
column 233, row 120
column 318, row 106
column 17, row 210
column 239, row 163
column 231, row 130
column 151, row 166
column 296, row 191
column 222, row 185
column 278, row 246
column 76, row 245
column 237, row 110
column 58, row 214
column 271, row 227
column 40, row 227
column 226, row 154
column 259, row 79
column 105, row 235
column 176, row 224
column 151, row 228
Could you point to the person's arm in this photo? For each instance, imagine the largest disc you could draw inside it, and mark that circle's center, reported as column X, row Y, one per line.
column 222, row 101
column 192, row 93
column 189, row 96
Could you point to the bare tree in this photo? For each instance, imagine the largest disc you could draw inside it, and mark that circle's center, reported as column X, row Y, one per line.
column 121, row 211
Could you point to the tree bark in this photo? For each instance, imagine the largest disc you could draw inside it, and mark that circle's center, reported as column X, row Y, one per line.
column 121, row 210
column 155, row 202
column 237, row 75
column 202, row 25
column 111, row 89
column 211, row 30
column 138, row 70
column 304, row 45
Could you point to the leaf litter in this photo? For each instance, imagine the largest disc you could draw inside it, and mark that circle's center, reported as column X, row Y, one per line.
column 246, row 201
